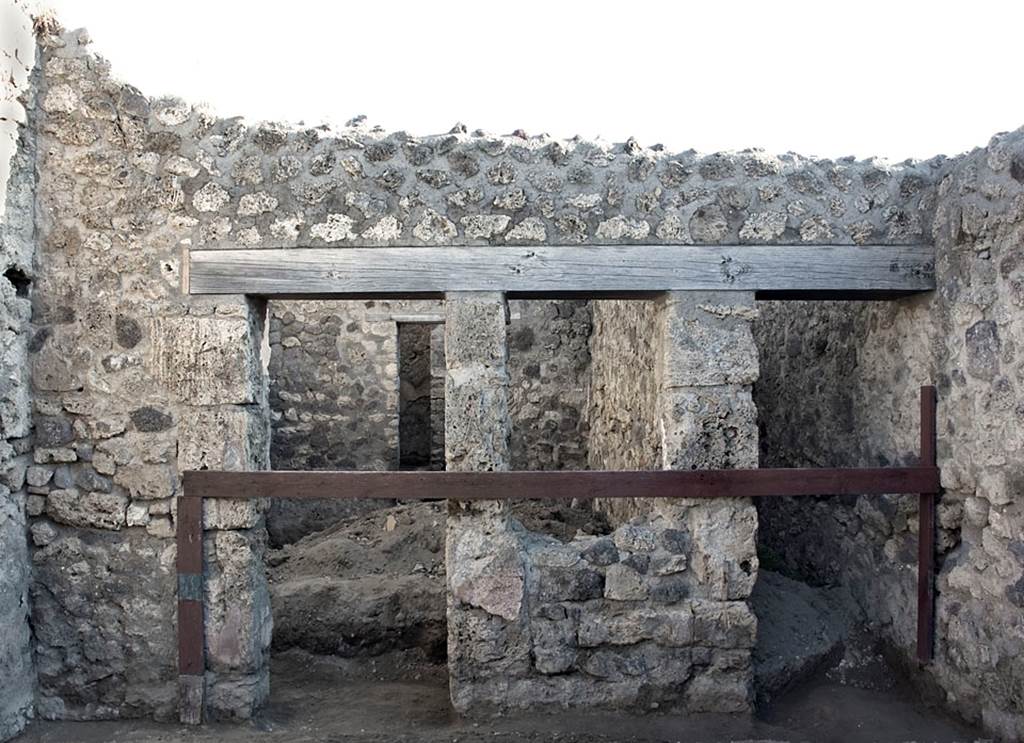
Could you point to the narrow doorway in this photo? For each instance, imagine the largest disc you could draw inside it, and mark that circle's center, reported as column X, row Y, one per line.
column 420, row 396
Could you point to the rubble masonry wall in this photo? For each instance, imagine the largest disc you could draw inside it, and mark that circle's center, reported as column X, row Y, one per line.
column 335, row 403
column 839, row 385
column 135, row 382
column 17, row 248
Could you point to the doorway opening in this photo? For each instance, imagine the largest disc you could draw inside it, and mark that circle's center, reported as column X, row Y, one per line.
column 420, row 395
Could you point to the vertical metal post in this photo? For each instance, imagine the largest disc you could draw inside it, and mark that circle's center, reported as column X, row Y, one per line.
column 191, row 657
column 926, row 536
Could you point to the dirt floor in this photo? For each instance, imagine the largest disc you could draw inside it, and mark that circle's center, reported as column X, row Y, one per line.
column 330, row 700
column 375, row 582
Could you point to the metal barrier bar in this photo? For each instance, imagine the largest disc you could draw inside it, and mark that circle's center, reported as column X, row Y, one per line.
column 926, row 534
column 562, row 485
column 191, row 657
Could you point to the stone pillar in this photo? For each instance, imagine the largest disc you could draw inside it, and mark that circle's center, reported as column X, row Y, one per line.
column 708, row 421
column 225, row 426
column 486, row 574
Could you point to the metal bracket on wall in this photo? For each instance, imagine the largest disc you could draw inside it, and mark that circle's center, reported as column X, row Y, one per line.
column 922, row 480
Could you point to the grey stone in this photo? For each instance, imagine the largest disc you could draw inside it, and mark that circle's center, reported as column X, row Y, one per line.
column 147, row 481
column 128, row 332
column 570, row 583
column 669, row 589
column 151, row 420
column 38, row 476
column 87, row 478
column 554, row 646
column 982, row 341
column 93, row 510
column 52, row 432
column 611, row 624
column 64, row 477
column 623, row 583
column 602, row 552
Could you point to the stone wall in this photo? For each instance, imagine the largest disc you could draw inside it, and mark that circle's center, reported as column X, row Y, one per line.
column 335, row 392
column 623, row 400
column 840, row 385
column 333, row 382
column 135, row 381
column 334, row 396
column 549, row 371
column 652, row 615
column 17, row 248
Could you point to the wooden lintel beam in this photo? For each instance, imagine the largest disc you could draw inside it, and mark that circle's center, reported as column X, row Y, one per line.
column 782, row 271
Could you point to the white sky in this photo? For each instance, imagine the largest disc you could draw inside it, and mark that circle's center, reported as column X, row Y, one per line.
column 899, row 78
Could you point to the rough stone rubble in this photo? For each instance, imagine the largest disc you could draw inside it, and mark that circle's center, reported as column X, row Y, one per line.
column 115, row 382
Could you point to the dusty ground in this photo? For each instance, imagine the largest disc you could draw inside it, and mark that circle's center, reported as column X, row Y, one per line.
column 331, row 700
column 368, row 585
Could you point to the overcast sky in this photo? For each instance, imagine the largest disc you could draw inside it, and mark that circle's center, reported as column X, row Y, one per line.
column 898, row 78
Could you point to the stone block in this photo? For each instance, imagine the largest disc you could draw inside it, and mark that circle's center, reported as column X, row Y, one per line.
column 90, row 510
column 475, row 330
column 38, row 476
column 147, row 481
column 635, row 537
column 53, row 432
column 573, row 583
column 623, row 583
column 724, row 559
column 558, row 573
column 484, row 646
column 659, row 669
column 54, row 456
column 603, row 623
column 709, row 428
column 486, row 569
column 602, row 552
column 206, row 360
column 554, row 645
column 137, row 514
column 670, row 589
column 707, row 339
column 222, row 438
column 716, row 691
column 724, row 624
column 35, row 505
column 238, row 619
